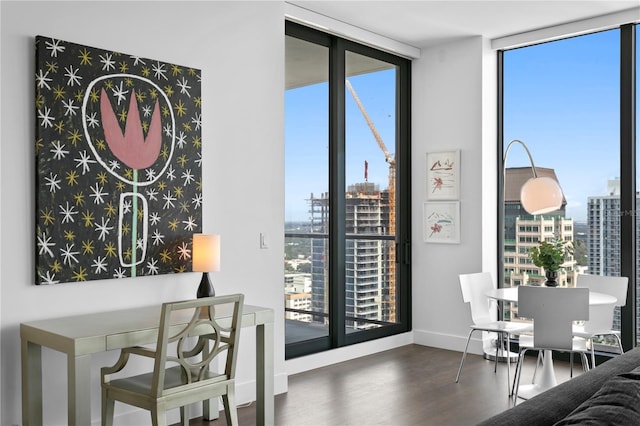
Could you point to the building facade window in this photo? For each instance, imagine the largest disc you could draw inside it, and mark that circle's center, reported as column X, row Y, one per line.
column 347, row 198
column 572, row 101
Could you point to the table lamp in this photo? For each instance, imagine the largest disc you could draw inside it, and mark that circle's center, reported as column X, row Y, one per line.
column 538, row 195
column 205, row 258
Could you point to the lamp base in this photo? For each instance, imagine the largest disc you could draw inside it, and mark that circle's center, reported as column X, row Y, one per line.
column 205, row 289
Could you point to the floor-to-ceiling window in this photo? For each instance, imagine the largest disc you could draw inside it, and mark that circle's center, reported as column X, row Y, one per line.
column 569, row 102
column 347, row 206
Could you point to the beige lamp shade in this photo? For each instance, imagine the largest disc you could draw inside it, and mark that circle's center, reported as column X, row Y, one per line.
column 541, row 195
column 206, row 253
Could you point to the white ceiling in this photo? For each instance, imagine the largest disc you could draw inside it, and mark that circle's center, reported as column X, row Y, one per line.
column 427, row 23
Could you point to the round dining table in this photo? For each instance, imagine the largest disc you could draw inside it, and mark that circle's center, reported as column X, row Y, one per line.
column 547, row 379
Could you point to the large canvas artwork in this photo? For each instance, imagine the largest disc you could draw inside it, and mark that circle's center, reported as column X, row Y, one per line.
column 118, row 160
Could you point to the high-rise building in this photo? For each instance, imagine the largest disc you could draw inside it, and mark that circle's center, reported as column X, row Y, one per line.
column 522, row 231
column 368, row 257
column 603, row 238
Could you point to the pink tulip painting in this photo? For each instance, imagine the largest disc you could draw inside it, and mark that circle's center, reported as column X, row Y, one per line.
column 132, row 148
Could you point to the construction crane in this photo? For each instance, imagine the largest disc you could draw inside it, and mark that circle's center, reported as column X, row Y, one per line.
column 392, row 201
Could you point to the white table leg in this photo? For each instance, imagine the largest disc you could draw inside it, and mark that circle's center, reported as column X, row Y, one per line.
column 79, row 389
column 265, row 414
column 31, row 383
column 546, row 379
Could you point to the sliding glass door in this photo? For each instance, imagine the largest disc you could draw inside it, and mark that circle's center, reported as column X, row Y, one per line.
column 347, row 192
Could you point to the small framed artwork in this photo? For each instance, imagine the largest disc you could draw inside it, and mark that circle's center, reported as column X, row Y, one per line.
column 443, row 175
column 442, row 222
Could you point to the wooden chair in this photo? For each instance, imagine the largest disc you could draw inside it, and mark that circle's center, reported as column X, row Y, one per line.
column 189, row 339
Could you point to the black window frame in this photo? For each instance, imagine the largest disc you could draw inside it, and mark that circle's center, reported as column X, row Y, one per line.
column 337, row 230
column 628, row 140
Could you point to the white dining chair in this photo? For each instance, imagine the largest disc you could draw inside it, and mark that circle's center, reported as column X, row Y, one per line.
column 553, row 311
column 474, row 291
column 601, row 316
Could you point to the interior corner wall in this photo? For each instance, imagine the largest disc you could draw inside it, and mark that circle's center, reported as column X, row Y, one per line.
column 448, row 97
column 239, row 46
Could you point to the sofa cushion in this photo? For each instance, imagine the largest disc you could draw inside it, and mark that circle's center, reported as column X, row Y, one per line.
column 617, row 402
column 557, row 403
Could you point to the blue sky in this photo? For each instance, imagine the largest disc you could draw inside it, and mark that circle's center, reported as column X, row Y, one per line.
column 306, row 146
column 561, row 100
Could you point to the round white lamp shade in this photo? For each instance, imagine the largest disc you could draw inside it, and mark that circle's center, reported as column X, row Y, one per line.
column 541, row 195
column 206, row 253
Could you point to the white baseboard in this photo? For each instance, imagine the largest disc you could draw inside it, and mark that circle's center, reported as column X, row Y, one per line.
column 448, row 341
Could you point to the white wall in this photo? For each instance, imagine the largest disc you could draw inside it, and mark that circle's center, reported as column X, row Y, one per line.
column 239, row 47
column 451, row 84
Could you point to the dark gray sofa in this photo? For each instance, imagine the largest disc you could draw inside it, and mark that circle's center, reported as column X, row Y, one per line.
column 556, row 404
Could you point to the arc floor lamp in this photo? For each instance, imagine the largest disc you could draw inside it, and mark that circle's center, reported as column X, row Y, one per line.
column 539, row 194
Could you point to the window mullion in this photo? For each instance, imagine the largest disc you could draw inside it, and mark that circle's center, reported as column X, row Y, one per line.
column 337, row 211
column 628, row 181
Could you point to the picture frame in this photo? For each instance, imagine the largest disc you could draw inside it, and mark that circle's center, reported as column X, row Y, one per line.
column 118, row 164
column 443, row 175
column 441, row 222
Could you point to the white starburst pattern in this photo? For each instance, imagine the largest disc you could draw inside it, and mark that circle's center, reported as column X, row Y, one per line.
column 120, row 93
column 103, row 228
column 171, row 173
column 70, row 108
column 92, row 121
column 44, row 243
column 67, row 212
column 119, row 273
column 197, row 200
column 151, row 193
column 168, row 200
column 126, row 206
column 53, row 182
column 100, row 264
column 146, row 110
column 152, row 267
column 182, row 140
column 188, row 177
column 159, row 71
column 114, row 165
column 58, row 150
column 140, row 243
column 167, row 130
column 46, row 119
column 198, row 160
column 157, row 238
column 43, row 79
column 154, row 218
column 197, row 120
column 98, row 194
column 184, row 87
column 184, row 252
column 107, row 62
column 68, row 255
column 151, row 174
column 54, row 47
column 72, row 76
column 189, row 224
column 137, row 60
column 84, row 161
column 49, row 278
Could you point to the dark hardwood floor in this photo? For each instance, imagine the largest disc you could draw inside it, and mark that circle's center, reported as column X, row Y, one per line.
column 411, row 385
